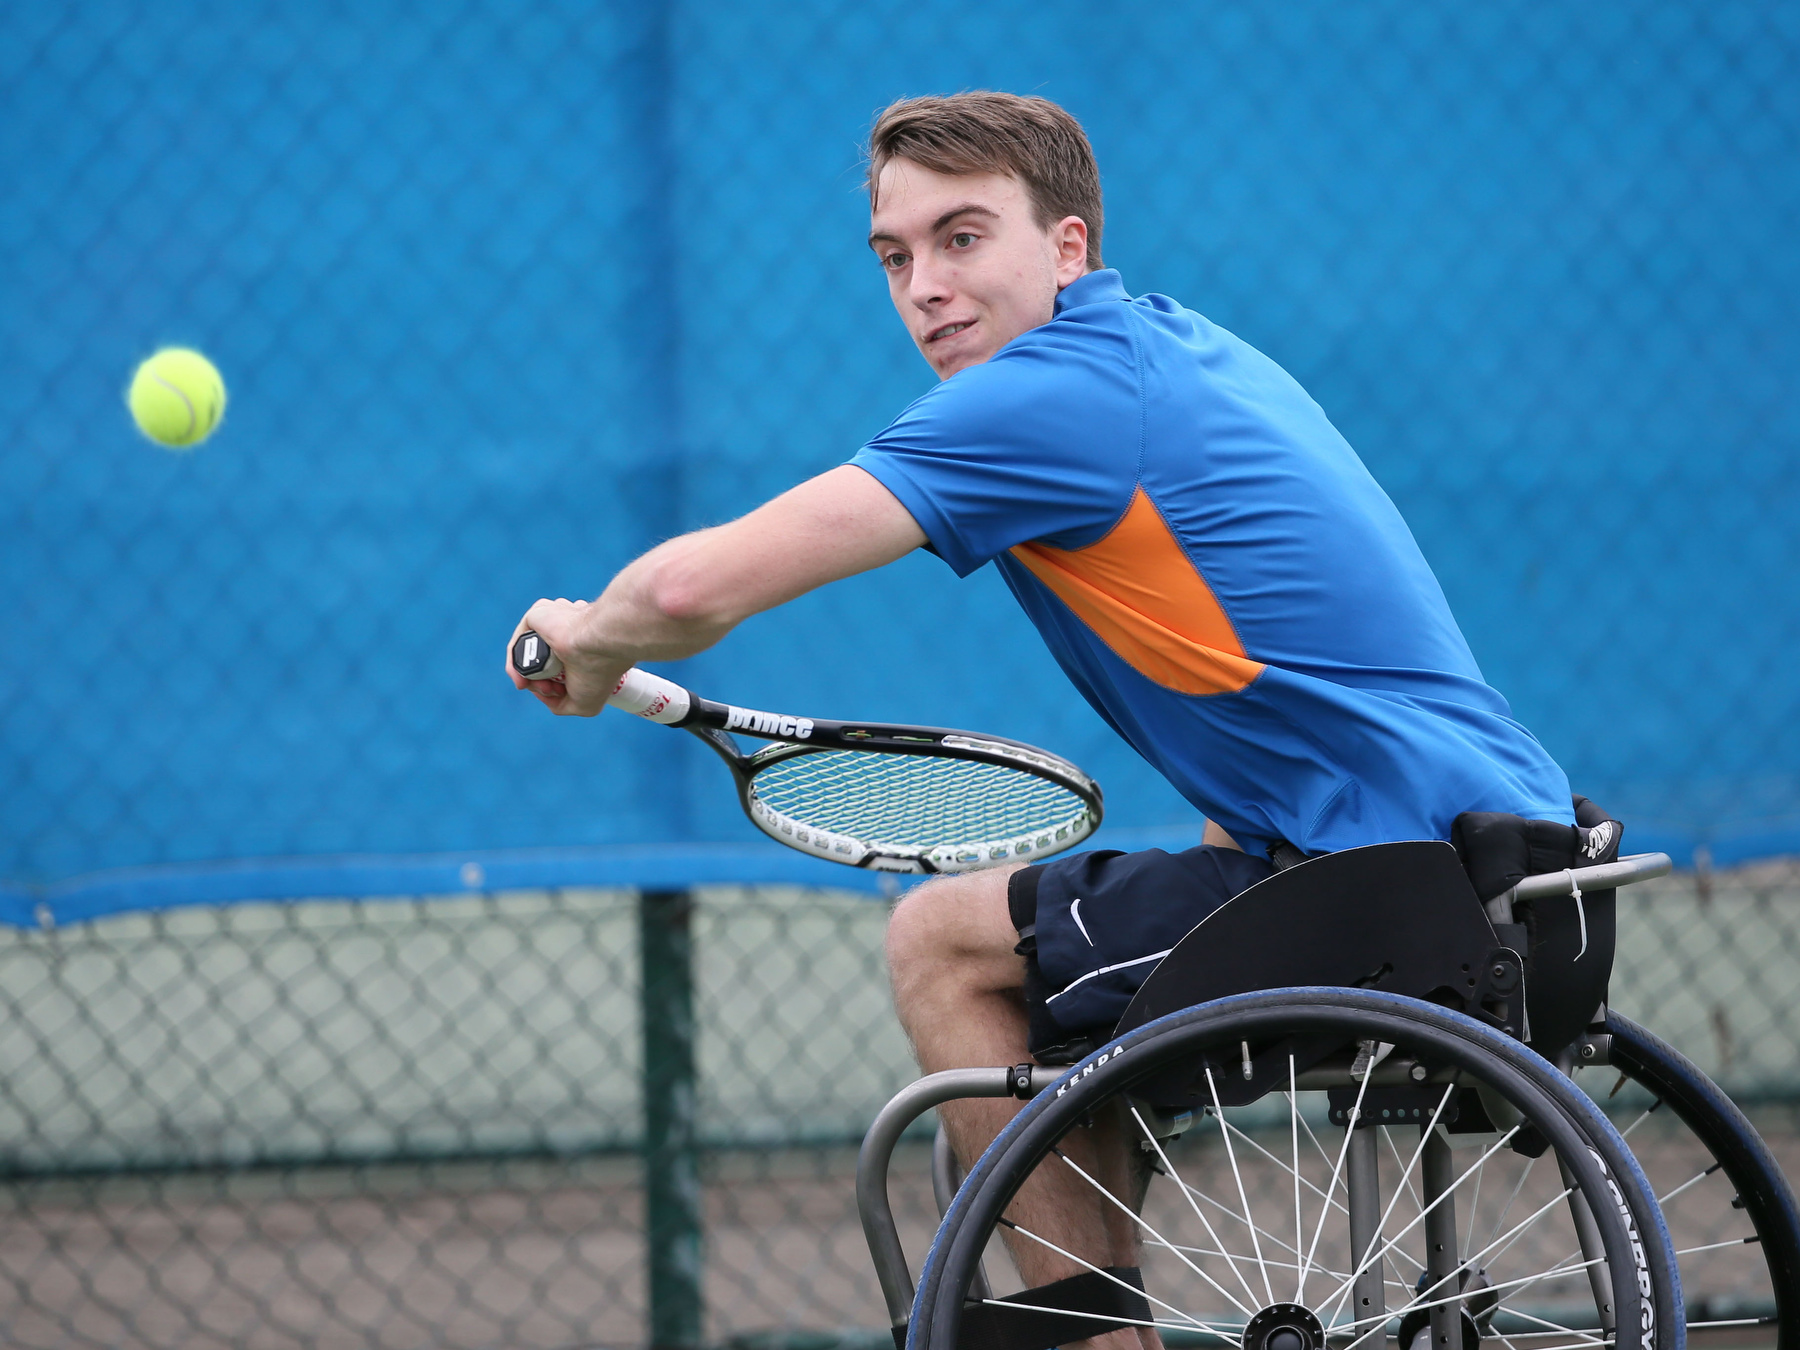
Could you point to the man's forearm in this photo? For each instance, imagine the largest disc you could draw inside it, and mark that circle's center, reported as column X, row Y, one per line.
column 646, row 613
column 683, row 596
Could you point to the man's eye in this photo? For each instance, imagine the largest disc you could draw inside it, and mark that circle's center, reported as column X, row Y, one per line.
column 961, row 240
column 894, row 261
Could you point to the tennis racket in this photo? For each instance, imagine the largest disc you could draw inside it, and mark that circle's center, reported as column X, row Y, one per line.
column 875, row 795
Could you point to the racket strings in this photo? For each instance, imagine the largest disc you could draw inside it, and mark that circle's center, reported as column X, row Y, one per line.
column 915, row 801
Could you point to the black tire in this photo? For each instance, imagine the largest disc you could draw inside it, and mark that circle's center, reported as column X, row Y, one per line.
column 1766, row 1198
column 1583, row 1141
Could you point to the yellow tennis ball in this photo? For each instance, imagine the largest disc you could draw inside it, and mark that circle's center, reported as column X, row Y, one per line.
column 177, row 397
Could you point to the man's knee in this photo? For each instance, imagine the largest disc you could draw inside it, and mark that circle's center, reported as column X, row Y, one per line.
column 952, row 921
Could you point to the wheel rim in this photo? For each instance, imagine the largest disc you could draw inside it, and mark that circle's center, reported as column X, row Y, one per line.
column 1222, row 1233
column 1685, row 1126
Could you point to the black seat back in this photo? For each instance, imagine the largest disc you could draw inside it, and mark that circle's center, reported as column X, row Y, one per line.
column 1399, row 917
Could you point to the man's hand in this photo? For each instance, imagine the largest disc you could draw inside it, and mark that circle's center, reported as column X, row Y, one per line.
column 588, row 679
column 683, row 596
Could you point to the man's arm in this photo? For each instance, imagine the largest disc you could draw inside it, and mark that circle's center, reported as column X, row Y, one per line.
column 686, row 594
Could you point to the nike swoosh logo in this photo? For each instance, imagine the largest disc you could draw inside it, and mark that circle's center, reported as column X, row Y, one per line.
column 1075, row 914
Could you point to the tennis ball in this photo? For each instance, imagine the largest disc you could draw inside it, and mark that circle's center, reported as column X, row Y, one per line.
column 177, row 397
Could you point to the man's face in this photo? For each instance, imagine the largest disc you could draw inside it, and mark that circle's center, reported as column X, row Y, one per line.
column 967, row 266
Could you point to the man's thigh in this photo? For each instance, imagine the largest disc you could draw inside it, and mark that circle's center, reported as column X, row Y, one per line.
column 956, row 927
column 1094, row 925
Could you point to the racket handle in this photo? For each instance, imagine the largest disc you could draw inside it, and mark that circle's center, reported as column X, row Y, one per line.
column 532, row 657
column 651, row 696
column 639, row 693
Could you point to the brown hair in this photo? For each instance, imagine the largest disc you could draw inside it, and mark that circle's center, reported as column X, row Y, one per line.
column 982, row 131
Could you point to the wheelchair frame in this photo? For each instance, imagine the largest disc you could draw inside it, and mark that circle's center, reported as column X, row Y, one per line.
column 1489, row 1004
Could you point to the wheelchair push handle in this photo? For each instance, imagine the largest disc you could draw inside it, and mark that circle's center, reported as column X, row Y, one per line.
column 1575, row 881
column 1637, row 867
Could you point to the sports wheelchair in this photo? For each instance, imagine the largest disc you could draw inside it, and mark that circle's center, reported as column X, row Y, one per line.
column 1343, row 1109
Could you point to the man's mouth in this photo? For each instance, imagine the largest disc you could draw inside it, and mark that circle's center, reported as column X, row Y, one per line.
column 948, row 330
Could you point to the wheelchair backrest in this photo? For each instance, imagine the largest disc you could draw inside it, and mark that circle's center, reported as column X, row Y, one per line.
column 1401, row 917
column 1397, row 917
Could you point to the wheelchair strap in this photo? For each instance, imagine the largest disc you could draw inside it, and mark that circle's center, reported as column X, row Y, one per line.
column 1284, row 855
column 1580, row 910
column 1089, row 1304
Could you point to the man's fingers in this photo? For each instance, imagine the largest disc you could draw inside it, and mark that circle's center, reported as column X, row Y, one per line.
column 553, row 621
column 555, row 702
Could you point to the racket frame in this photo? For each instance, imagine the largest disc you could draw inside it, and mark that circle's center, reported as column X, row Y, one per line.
column 714, row 724
column 658, row 699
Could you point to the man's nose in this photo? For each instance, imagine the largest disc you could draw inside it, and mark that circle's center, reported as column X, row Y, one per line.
column 928, row 286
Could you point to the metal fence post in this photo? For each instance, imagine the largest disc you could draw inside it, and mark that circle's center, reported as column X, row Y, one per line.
column 671, row 1157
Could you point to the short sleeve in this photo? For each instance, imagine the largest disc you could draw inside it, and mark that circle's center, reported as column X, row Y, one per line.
column 1041, row 442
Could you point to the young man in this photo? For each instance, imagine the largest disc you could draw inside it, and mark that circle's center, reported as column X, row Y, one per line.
column 1204, row 554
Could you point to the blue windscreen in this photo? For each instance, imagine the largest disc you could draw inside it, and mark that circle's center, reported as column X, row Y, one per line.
column 504, row 293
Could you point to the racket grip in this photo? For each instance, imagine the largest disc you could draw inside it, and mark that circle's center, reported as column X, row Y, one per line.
column 650, row 696
column 532, row 657
column 639, row 693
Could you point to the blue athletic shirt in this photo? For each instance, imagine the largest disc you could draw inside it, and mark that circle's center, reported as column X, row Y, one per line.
column 1217, row 572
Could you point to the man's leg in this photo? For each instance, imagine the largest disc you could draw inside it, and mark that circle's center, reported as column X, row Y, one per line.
column 957, row 988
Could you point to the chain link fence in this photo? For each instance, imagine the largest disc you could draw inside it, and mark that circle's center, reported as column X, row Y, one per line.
column 416, row 1122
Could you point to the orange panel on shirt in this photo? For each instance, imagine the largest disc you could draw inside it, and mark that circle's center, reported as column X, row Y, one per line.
column 1142, row 597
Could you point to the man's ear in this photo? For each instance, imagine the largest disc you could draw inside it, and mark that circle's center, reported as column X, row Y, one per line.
column 1070, row 237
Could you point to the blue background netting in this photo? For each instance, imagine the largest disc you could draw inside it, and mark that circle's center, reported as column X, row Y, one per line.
column 506, row 292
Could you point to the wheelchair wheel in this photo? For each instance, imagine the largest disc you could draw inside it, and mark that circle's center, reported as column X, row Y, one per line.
column 1221, row 1195
column 1728, row 1194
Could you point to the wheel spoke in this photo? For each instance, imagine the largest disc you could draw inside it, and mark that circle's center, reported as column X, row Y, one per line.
column 1343, row 1291
column 1419, row 1303
column 1294, row 1131
column 1405, row 1171
column 1189, row 1194
column 1228, row 1212
column 1715, row 1246
column 1506, row 1209
column 1339, row 1205
column 1519, row 1230
column 1691, row 1181
column 1337, row 1170
column 1474, row 1209
column 1188, row 1319
column 1406, row 1179
column 1332, row 1198
column 1248, row 1260
column 1642, row 1117
column 1556, row 1329
column 1160, row 1239
column 1238, row 1177
column 1312, row 1186
column 1474, row 1259
column 1307, row 1126
column 1112, row 1319
column 1561, row 1267
column 1524, row 1282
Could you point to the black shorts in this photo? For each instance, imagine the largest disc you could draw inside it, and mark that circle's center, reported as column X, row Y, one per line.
column 1092, row 926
